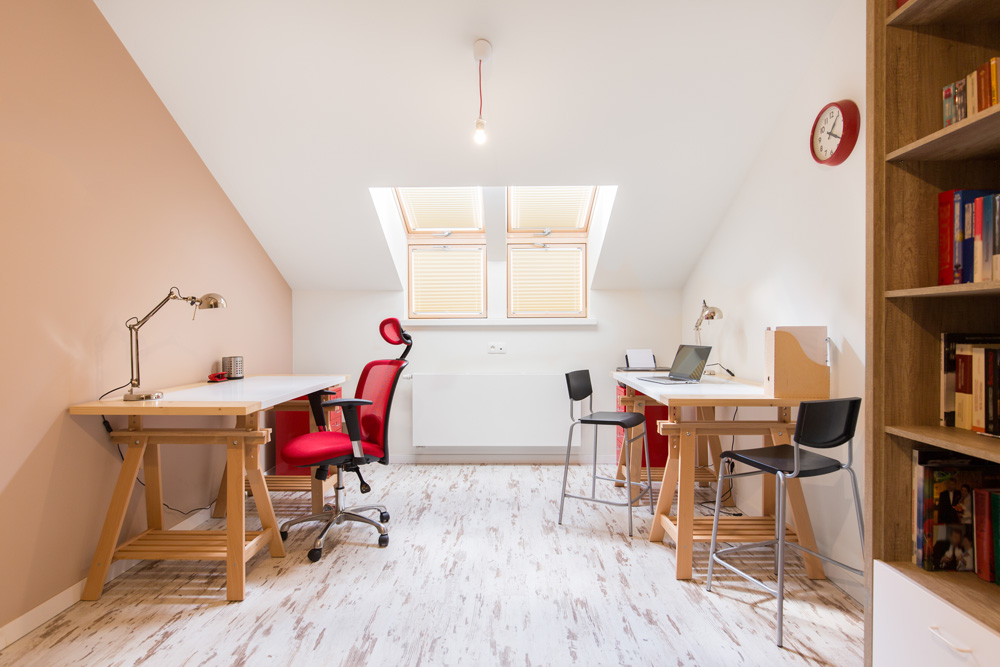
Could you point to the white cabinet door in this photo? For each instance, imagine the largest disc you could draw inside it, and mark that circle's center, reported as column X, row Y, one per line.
column 912, row 626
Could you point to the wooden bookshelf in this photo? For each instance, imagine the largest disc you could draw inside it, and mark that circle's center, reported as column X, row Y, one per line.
column 913, row 52
column 975, row 137
column 930, row 12
column 954, row 439
column 991, row 288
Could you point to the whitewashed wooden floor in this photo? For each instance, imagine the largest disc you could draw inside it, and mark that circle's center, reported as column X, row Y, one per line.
column 478, row 572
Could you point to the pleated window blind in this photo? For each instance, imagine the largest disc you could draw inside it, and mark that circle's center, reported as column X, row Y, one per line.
column 447, row 281
column 429, row 210
column 546, row 282
column 563, row 209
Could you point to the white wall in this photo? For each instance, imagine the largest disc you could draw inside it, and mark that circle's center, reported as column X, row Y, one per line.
column 790, row 251
column 338, row 331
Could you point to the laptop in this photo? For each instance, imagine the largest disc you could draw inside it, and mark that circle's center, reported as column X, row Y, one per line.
column 688, row 367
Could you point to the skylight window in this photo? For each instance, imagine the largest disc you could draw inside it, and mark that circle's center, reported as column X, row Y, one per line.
column 447, row 281
column 546, row 280
column 441, row 210
column 561, row 209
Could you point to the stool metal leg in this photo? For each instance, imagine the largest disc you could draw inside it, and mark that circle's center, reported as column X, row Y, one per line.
column 569, row 448
column 777, row 525
column 780, row 523
column 715, row 528
column 593, row 474
column 857, row 507
column 628, row 481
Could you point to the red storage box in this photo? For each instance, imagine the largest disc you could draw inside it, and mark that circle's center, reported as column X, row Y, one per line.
column 659, row 445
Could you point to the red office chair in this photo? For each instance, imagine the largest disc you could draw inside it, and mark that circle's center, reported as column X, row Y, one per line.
column 367, row 419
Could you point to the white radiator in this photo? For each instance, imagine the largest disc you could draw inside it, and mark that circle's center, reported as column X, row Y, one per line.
column 479, row 410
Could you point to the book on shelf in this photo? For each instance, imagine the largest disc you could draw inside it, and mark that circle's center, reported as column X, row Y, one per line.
column 983, row 520
column 963, row 386
column 946, row 238
column 949, row 360
column 971, row 93
column 982, row 375
column 948, row 104
column 993, row 80
column 995, row 516
column 946, row 516
column 959, row 100
column 964, row 234
column 982, row 251
column 996, row 236
column 985, row 88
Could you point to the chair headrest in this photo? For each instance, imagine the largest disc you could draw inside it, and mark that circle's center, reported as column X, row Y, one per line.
column 392, row 331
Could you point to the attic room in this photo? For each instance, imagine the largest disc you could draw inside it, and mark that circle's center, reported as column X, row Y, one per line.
column 425, row 230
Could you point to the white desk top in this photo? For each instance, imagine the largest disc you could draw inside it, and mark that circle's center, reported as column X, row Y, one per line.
column 234, row 397
column 712, row 390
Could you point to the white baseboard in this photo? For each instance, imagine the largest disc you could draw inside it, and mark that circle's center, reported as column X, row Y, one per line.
column 60, row 602
column 510, row 459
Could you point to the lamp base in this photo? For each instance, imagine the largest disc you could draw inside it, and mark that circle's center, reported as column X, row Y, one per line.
column 151, row 396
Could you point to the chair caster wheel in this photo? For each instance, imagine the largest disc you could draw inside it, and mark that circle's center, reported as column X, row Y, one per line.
column 315, row 554
column 383, row 540
column 284, row 535
column 384, row 517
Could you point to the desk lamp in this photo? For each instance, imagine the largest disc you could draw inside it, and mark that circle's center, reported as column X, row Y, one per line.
column 210, row 300
column 707, row 313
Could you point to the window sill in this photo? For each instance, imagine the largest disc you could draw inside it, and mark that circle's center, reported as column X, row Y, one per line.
column 525, row 322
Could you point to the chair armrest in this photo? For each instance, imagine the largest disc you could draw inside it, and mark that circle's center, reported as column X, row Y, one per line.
column 346, row 402
column 349, row 408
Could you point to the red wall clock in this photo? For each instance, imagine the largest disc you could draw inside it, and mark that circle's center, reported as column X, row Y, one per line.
column 835, row 132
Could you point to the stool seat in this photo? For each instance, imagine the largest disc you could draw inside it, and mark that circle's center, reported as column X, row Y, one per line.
column 623, row 419
column 781, row 458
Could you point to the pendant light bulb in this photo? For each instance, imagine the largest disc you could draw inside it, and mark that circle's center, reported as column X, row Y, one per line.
column 480, row 136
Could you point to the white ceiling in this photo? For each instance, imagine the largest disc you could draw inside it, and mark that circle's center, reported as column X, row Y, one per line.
column 299, row 106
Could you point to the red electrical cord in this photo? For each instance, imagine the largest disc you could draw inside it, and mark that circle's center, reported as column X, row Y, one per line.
column 480, row 88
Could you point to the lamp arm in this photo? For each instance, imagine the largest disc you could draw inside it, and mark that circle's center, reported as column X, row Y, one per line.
column 134, row 324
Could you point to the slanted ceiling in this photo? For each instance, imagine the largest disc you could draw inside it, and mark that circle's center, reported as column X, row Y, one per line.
column 298, row 107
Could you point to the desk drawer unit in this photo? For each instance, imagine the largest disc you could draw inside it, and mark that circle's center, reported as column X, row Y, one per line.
column 913, row 626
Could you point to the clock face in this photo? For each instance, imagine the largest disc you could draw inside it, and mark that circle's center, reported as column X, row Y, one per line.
column 828, row 132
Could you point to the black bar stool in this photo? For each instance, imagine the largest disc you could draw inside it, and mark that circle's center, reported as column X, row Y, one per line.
column 578, row 383
column 819, row 425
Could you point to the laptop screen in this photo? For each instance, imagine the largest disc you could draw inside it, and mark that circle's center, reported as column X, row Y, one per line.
column 689, row 363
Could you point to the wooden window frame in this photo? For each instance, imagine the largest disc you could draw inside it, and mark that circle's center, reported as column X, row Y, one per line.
column 583, row 286
column 444, row 316
column 564, row 235
column 435, row 236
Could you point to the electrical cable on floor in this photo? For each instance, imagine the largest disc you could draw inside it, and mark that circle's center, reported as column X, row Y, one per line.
column 109, row 429
column 730, row 466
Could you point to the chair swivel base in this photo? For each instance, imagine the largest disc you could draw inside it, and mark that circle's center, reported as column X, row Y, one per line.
column 336, row 514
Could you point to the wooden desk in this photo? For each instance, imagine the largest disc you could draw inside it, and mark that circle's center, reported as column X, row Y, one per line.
column 680, row 472
column 244, row 399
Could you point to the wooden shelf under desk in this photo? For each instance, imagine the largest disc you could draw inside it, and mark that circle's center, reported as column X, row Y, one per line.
column 188, row 545
column 964, row 590
column 991, row 288
column 928, row 12
column 734, row 529
column 952, row 439
column 975, row 137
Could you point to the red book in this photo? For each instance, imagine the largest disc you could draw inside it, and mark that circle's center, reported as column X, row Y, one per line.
column 946, row 238
column 982, row 519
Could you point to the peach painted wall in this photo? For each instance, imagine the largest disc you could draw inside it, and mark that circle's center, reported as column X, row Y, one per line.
column 104, row 206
